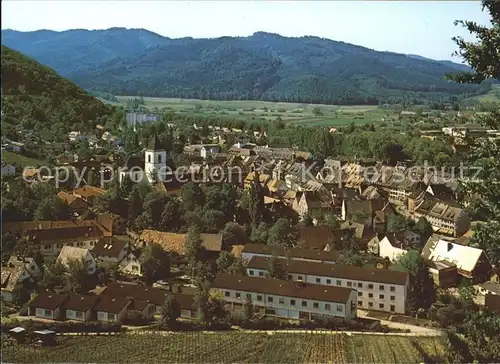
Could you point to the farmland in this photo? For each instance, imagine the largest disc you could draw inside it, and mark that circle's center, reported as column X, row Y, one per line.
column 198, row 347
column 263, row 110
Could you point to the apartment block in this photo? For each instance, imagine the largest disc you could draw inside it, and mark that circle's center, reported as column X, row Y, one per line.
column 296, row 300
column 376, row 289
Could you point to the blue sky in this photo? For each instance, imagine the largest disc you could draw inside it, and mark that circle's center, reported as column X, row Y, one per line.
column 417, row 27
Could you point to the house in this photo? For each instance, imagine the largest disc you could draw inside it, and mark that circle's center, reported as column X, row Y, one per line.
column 363, row 211
column 444, row 217
column 312, row 204
column 111, row 249
column 52, row 240
column 176, row 243
column 14, row 273
column 15, row 147
column 377, row 289
column 324, row 256
column 112, row 309
column 155, row 296
column 47, row 305
column 130, row 264
column 79, row 307
column 392, row 247
column 75, row 136
column 88, row 193
column 70, row 253
column 8, row 169
column 444, row 274
column 287, row 299
column 76, row 205
column 209, row 149
column 471, row 262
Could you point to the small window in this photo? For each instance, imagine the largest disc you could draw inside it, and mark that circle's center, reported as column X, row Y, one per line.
column 259, row 297
column 393, row 289
column 290, row 277
column 292, row 302
column 370, row 286
column 339, row 283
column 48, row 313
column 149, row 158
column 328, row 281
column 269, row 299
column 370, row 295
column 393, row 308
column 349, row 284
column 318, row 280
column 360, row 294
column 304, row 303
column 92, row 243
column 360, row 285
column 281, row 301
column 111, row 317
column 381, row 305
column 315, row 305
column 328, row 307
column 381, row 287
column 79, row 315
column 300, row 278
column 250, row 272
column 393, row 298
column 238, row 295
column 261, row 274
column 381, row 296
column 47, row 247
column 370, row 304
column 360, row 303
column 339, row 308
column 159, row 158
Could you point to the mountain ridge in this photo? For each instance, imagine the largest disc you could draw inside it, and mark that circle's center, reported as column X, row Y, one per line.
column 264, row 66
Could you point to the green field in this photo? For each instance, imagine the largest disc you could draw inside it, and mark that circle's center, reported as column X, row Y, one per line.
column 264, row 110
column 21, row 160
column 491, row 96
column 216, row 347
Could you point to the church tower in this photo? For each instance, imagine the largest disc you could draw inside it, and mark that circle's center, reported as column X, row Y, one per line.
column 155, row 159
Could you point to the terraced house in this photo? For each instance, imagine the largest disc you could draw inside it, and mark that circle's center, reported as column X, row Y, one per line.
column 377, row 289
column 286, row 298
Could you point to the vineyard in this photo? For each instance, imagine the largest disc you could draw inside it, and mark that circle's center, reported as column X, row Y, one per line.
column 197, row 347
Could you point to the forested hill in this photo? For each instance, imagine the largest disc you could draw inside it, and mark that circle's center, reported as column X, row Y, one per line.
column 36, row 97
column 262, row 66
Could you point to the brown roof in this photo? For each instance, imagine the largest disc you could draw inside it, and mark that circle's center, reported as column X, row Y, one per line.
column 48, row 301
column 236, row 250
column 80, row 232
column 110, row 246
column 23, row 227
column 68, row 198
column 80, row 302
column 343, row 271
column 10, row 277
column 88, row 191
column 297, row 253
column 156, row 296
column 111, row 304
column 283, row 288
column 177, row 242
column 318, row 236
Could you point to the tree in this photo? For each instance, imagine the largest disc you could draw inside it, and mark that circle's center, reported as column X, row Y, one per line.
column 421, row 290
column 170, row 311
column 53, row 275
column 260, row 234
column 209, row 308
column 192, row 196
column 332, row 221
column 484, row 58
column 134, row 206
column 77, row 277
column 233, row 233
column 171, row 217
column 248, row 309
column 396, row 223
column 276, row 268
column 194, row 245
column 155, row 262
column 256, row 201
column 282, row 233
column 424, row 229
column 317, row 111
column 224, row 261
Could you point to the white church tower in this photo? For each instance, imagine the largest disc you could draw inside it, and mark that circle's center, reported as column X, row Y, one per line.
column 155, row 159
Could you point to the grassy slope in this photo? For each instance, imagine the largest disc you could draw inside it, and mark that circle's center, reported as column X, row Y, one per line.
column 21, row 160
column 492, row 96
column 291, row 112
column 196, row 347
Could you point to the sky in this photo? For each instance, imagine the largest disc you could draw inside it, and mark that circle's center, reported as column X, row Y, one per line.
column 411, row 27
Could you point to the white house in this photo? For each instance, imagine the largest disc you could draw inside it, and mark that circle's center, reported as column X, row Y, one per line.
column 47, row 305
column 377, row 289
column 389, row 247
column 79, row 307
column 70, row 253
column 286, row 298
column 75, row 136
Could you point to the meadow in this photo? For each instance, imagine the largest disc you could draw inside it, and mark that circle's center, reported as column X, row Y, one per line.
column 230, row 347
column 21, row 160
column 491, row 96
column 330, row 115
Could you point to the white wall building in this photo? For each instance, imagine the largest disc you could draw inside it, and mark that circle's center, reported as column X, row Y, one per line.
column 285, row 298
column 134, row 118
column 377, row 289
